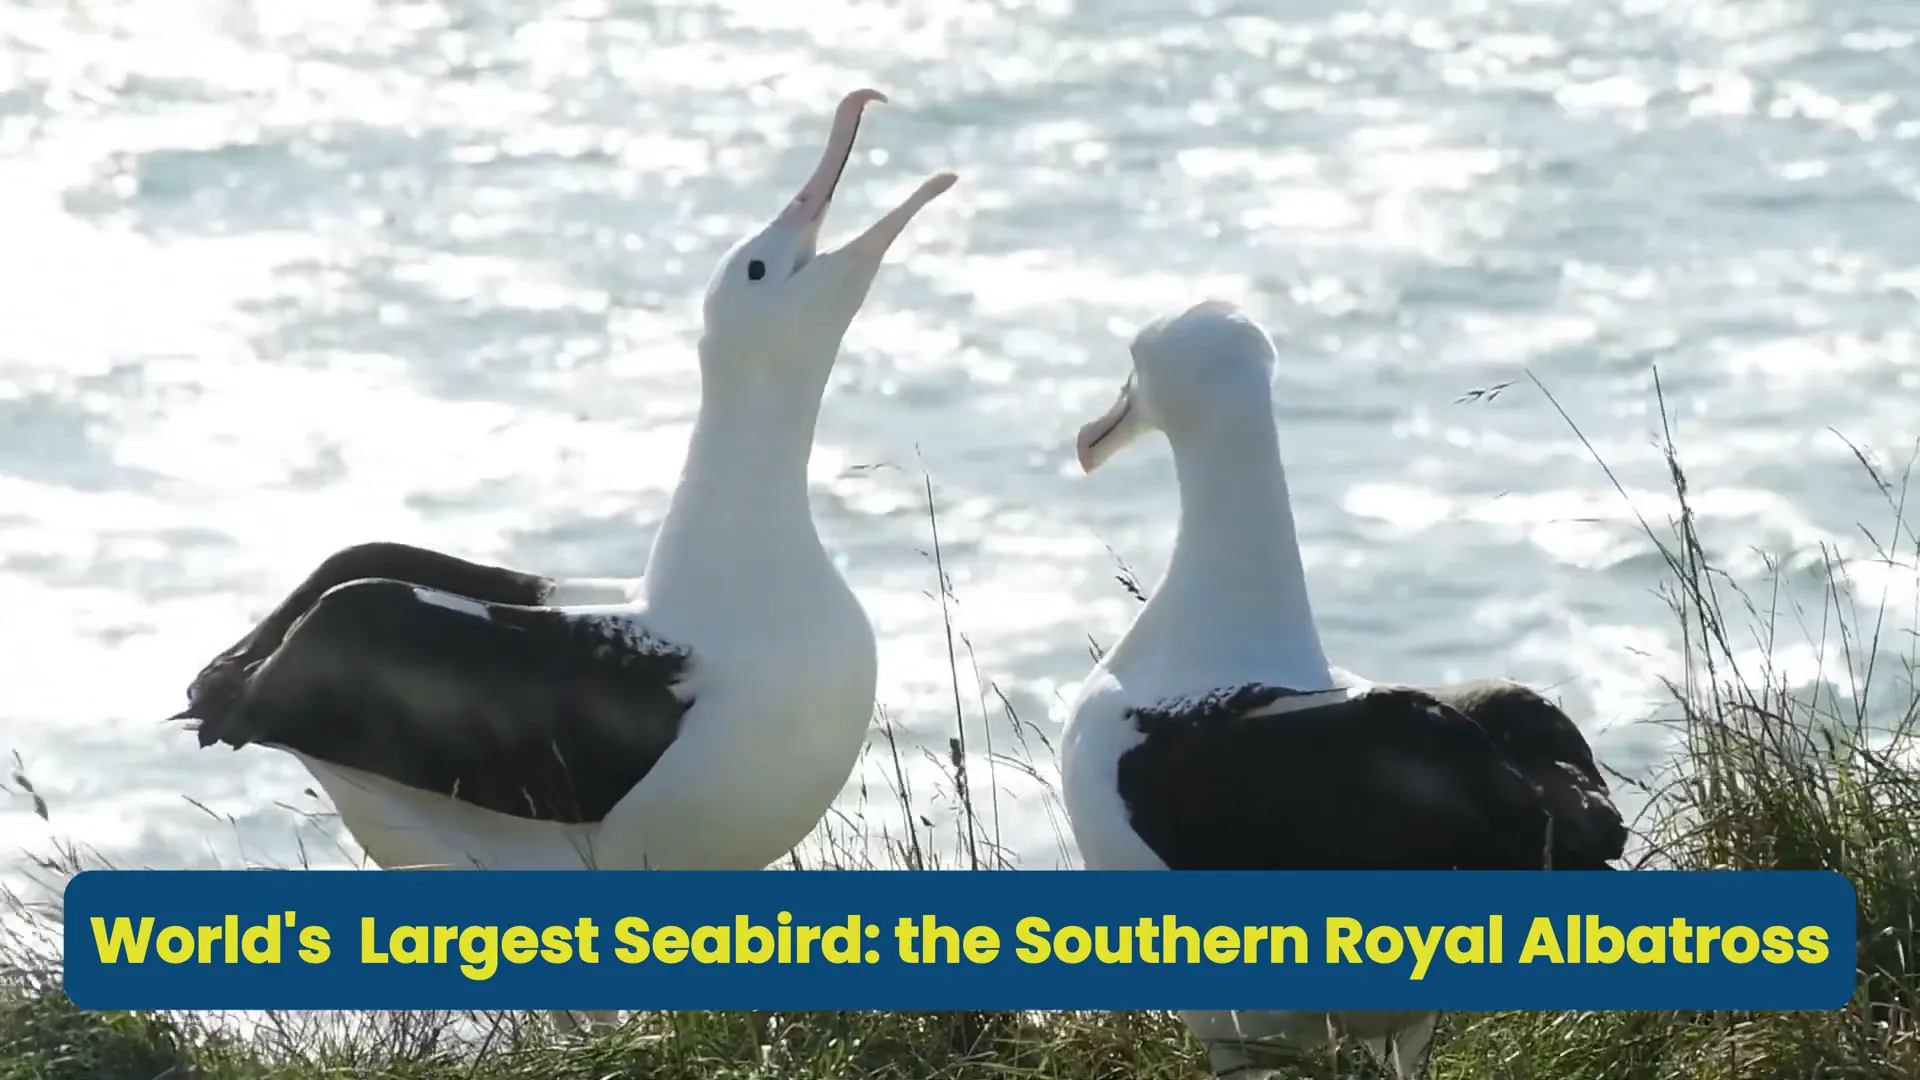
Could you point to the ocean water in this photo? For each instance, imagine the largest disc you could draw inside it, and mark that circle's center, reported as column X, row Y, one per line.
column 278, row 278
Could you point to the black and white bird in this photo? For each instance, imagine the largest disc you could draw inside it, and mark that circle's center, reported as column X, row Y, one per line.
column 1214, row 735
column 704, row 716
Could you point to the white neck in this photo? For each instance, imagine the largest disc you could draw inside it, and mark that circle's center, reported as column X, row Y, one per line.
column 739, row 516
column 1233, row 605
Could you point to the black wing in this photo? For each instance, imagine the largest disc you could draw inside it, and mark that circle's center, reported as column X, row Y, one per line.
column 1546, row 745
column 1391, row 779
column 220, row 682
column 524, row 710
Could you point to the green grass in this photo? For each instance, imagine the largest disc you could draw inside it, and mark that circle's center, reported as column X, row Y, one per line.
column 1760, row 777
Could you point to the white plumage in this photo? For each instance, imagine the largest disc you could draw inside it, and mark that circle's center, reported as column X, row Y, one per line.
column 701, row 717
column 1214, row 735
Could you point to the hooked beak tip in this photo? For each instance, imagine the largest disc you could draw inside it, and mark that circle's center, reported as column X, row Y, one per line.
column 1087, row 443
column 809, row 208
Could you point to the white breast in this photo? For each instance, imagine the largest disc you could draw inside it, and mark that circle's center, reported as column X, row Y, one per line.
column 782, row 707
column 1097, row 734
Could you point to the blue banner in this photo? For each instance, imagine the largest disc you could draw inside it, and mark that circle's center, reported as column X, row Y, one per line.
column 308, row 939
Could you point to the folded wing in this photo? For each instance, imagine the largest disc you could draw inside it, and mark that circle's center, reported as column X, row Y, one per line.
column 215, row 685
column 531, row 711
column 1393, row 778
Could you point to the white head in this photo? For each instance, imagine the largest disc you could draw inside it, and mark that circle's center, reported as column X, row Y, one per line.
column 1207, row 366
column 773, row 300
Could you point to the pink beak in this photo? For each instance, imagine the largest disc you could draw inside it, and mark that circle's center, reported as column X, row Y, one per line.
column 1100, row 439
column 809, row 208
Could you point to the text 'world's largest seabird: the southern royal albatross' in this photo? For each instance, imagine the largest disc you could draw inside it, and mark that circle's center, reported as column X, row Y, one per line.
column 468, row 716
column 1215, row 736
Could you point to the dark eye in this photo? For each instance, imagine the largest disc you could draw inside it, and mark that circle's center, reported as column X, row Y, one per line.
column 756, row 270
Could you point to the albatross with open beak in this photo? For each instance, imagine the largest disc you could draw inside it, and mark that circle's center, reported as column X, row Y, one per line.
column 705, row 716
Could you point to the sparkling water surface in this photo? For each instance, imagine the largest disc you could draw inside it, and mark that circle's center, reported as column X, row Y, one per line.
column 279, row 278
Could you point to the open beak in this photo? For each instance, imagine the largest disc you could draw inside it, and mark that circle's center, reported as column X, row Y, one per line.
column 809, row 208
column 1101, row 439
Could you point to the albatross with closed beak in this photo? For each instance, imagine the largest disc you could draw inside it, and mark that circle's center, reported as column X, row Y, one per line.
column 1214, row 735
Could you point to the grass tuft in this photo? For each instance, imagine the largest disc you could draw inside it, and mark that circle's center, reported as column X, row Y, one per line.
column 1767, row 771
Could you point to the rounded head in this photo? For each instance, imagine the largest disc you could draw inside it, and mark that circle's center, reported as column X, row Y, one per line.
column 1189, row 370
column 776, row 297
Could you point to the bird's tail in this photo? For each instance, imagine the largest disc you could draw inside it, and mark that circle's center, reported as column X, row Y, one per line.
column 213, row 703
